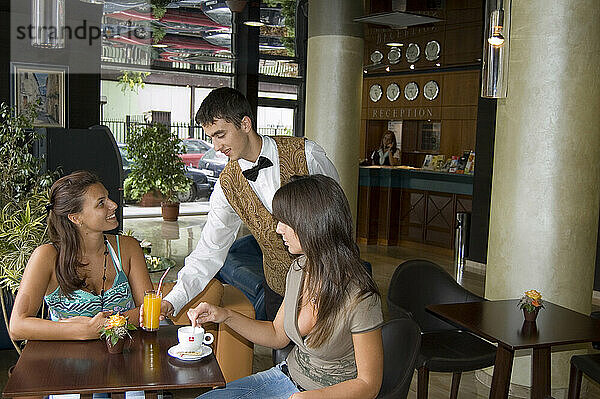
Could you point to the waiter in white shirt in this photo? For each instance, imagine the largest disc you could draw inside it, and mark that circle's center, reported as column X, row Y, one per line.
column 244, row 193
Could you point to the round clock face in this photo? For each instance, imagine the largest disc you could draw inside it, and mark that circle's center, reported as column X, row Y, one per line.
column 375, row 92
column 394, row 55
column 432, row 50
column 392, row 92
column 431, row 90
column 412, row 52
column 376, row 57
column 411, row 91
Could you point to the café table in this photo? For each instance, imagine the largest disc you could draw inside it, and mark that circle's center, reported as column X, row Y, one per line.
column 86, row 367
column 503, row 322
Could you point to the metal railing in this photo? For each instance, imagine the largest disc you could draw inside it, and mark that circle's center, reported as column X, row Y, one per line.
column 275, row 131
column 121, row 128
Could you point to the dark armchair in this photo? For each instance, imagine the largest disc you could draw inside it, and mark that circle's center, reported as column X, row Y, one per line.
column 444, row 347
column 584, row 364
column 401, row 344
column 580, row 365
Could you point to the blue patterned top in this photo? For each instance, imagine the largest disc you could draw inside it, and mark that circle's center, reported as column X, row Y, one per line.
column 117, row 298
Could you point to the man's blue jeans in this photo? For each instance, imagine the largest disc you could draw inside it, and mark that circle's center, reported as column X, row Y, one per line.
column 268, row 384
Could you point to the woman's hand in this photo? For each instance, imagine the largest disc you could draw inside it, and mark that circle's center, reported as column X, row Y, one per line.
column 205, row 313
column 90, row 326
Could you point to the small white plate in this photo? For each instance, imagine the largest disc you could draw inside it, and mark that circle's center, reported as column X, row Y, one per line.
column 180, row 354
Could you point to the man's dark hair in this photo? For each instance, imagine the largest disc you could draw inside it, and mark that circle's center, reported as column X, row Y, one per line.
column 224, row 103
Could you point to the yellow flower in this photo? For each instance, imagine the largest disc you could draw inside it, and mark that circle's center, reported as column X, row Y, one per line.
column 533, row 294
column 116, row 320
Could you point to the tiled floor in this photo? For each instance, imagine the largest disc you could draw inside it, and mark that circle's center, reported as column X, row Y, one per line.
column 177, row 239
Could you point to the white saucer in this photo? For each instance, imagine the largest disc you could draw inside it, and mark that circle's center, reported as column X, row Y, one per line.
column 175, row 351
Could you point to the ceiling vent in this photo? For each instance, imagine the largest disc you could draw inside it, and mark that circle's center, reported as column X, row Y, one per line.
column 398, row 17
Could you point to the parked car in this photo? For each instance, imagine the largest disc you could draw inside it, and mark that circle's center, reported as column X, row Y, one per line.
column 195, row 150
column 211, row 164
column 200, row 188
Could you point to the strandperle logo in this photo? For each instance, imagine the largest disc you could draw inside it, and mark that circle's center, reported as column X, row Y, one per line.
column 82, row 32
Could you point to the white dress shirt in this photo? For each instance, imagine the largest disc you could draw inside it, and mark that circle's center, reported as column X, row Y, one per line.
column 223, row 223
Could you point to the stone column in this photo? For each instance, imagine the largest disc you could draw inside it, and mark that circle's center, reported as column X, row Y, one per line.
column 546, row 174
column 334, row 85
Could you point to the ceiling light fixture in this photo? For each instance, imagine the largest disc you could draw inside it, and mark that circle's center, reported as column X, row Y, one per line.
column 394, row 44
column 496, row 20
column 494, row 67
column 48, row 23
column 254, row 23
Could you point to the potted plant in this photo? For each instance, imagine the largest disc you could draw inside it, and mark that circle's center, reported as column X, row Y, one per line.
column 23, row 195
column 531, row 303
column 156, row 169
column 115, row 331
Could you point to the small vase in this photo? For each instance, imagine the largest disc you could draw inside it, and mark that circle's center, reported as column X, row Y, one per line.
column 530, row 316
column 116, row 348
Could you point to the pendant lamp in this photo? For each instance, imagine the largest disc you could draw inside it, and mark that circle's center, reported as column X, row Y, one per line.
column 494, row 73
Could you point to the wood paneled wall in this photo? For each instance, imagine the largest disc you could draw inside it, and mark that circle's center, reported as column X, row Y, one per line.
column 455, row 106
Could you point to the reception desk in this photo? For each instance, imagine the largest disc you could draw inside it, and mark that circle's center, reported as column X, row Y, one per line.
column 397, row 203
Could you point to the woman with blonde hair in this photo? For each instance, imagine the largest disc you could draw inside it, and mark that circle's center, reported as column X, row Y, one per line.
column 388, row 152
column 331, row 310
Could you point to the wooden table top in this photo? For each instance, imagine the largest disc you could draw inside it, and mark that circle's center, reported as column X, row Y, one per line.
column 503, row 322
column 57, row 367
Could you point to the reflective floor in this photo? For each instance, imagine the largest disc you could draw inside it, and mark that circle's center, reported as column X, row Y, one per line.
column 177, row 239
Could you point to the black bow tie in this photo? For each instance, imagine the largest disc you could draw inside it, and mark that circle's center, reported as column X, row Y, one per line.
column 252, row 173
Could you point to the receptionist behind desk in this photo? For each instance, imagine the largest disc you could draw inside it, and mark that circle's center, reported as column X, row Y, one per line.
column 387, row 153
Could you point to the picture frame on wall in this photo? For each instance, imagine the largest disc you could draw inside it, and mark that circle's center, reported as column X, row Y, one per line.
column 44, row 86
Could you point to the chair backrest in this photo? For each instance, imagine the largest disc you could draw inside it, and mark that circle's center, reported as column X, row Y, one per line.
column 418, row 283
column 401, row 344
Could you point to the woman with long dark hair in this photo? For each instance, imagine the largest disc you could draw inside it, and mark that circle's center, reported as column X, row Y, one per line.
column 83, row 275
column 331, row 309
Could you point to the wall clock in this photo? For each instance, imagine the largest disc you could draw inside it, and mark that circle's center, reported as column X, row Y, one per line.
column 392, row 92
column 394, row 55
column 432, row 50
column 412, row 52
column 431, row 90
column 376, row 57
column 375, row 92
column 411, row 91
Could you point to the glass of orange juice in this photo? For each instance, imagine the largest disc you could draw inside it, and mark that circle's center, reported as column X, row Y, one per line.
column 152, row 301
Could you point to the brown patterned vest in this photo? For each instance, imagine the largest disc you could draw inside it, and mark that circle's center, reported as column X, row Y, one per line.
column 245, row 202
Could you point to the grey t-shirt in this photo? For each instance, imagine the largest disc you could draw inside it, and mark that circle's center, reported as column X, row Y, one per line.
column 332, row 362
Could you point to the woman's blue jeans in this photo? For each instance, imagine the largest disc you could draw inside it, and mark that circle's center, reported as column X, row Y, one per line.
column 268, row 384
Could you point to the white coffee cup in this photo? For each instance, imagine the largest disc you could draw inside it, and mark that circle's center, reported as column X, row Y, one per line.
column 191, row 340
